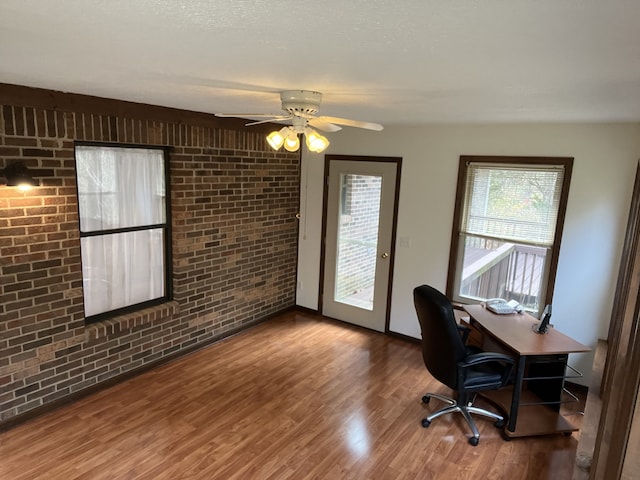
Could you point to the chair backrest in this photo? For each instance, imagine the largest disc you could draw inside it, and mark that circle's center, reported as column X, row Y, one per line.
column 442, row 346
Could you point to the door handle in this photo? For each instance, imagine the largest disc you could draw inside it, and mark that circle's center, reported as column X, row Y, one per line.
column 384, row 255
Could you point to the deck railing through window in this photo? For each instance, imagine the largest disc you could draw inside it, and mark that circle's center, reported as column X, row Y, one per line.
column 505, row 270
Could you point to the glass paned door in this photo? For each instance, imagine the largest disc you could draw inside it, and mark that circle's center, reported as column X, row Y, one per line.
column 358, row 239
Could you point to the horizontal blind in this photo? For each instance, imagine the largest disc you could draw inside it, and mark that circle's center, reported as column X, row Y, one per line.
column 512, row 202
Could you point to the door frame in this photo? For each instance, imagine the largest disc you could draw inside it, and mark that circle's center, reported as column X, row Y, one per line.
column 394, row 223
column 620, row 384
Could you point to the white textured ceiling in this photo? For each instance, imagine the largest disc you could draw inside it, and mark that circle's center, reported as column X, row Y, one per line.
column 392, row 62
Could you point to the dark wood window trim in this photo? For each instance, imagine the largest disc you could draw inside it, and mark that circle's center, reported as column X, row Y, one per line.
column 565, row 162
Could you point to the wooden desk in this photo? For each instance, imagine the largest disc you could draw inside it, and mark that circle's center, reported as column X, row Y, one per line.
column 541, row 361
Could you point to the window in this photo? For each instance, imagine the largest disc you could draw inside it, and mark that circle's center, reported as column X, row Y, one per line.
column 507, row 227
column 124, row 229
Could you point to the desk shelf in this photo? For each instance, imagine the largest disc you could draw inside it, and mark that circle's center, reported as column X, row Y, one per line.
column 534, row 418
column 577, row 374
column 563, row 399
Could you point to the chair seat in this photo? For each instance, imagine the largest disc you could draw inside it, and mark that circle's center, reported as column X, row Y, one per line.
column 482, row 379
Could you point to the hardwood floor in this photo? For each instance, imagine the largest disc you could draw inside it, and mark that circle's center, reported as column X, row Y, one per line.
column 297, row 397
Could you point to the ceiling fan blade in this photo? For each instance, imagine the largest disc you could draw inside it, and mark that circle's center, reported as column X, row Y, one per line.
column 320, row 124
column 268, row 120
column 352, row 123
column 251, row 115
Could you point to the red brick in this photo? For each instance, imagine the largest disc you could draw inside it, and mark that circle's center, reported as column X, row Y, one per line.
column 21, row 142
column 25, row 202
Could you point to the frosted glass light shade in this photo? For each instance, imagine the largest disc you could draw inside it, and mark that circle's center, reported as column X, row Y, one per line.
column 292, row 142
column 276, row 138
column 315, row 142
column 288, row 137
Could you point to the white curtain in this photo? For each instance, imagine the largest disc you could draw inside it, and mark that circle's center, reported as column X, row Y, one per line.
column 121, row 188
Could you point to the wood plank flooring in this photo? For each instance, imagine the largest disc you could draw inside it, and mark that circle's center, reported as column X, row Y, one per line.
column 297, row 397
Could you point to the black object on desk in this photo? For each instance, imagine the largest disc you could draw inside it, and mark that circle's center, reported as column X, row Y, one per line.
column 546, row 318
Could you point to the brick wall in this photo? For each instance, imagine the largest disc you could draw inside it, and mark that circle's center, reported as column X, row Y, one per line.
column 234, row 243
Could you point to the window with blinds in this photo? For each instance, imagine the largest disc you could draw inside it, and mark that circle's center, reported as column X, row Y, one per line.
column 506, row 236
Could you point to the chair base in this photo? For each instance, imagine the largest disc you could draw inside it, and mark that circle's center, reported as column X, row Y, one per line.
column 465, row 410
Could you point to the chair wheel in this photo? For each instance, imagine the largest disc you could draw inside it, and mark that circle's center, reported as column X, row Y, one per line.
column 425, row 422
column 474, row 441
column 499, row 423
column 426, row 399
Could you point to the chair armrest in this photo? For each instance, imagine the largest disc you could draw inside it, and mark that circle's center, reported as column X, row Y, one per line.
column 487, row 357
column 484, row 357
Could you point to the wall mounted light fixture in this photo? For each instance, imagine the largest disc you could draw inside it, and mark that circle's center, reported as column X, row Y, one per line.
column 18, row 175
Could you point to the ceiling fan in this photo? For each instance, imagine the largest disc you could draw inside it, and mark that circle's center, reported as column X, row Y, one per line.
column 301, row 107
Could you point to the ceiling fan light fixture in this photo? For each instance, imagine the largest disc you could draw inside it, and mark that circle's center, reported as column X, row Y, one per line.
column 277, row 138
column 292, row 142
column 315, row 142
column 301, row 107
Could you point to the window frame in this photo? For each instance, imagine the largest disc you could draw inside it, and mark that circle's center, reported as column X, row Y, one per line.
column 456, row 235
column 165, row 227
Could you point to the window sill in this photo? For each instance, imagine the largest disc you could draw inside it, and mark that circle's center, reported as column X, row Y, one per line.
column 114, row 326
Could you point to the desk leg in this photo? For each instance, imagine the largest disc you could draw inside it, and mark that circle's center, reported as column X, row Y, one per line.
column 517, row 389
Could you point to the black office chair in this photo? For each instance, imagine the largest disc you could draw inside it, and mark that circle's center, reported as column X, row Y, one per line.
column 461, row 368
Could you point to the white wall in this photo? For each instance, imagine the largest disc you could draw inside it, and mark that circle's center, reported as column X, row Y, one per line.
column 605, row 162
